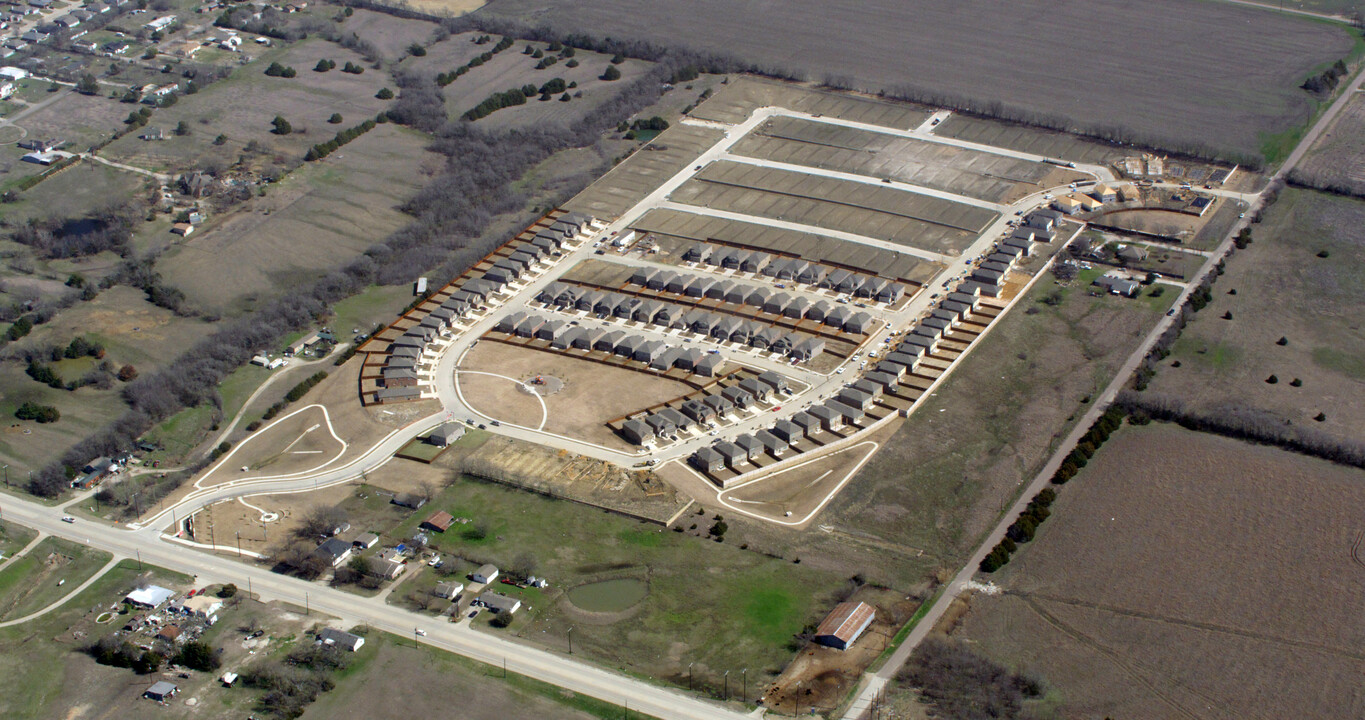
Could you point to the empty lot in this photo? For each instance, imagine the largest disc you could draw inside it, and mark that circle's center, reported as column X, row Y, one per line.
column 1337, row 159
column 1194, row 87
column 1184, row 575
column 876, row 212
column 593, row 393
column 1284, row 289
column 941, row 167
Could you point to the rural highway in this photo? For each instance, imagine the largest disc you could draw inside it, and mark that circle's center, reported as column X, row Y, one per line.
column 562, row 671
column 874, row 683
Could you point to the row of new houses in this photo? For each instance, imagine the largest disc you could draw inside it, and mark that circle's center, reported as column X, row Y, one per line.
column 737, row 293
column 847, row 408
column 796, row 269
column 419, row 343
column 721, row 328
column 658, row 312
column 668, row 422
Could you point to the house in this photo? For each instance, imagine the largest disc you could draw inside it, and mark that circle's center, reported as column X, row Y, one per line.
column 775, row 381
column 399, row 377
column 808, row 349
column 788, row 431
column 855, row 398
column 204, row 607
column 679, row 420
column 850, row 414
column 809, row 424
column 708, row 365
column 755, row 388
column 161, row 691
column 439, row 521
column 149, row 597
column 706, row 460
column 13, row 73
column 571, row 337
column 386, row 568
column 486, row 574
column 1118, row 285
column 773, row 444
column 365, row 541
column 498, row 604
column 661, row 425
column 733, row 454
column 446, row 434
column 637, row 431
column 844, row 624
column 721, row 405
column 859, row 322
column 1067, row 204
column 699, row 252
column 409, row 501
column 153, row 134
column 335, row 551
column 828, row 419
column 448, row 590
column 158, row 24
column 1131, row 253
column 1103, row 193
column 338, row 638
column 737, row 395
column 169, row 633
column 699, row 411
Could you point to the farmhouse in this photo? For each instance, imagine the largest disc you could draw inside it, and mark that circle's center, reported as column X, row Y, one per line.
column 1118, row 285
column 844, row 624
column 338, row 638
column 334, row 551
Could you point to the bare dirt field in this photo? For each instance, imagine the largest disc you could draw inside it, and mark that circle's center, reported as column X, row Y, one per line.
column 299, row 441
column 321, row 216
column 629, row 182
column 592, row 394
column 941, row 167
column 1023, row 138
column 1284, row 289
column 798, row 493
column 1010, row 54
column 879, row 212
column 734, row 102
column 1337, row 159
column 1184, row 575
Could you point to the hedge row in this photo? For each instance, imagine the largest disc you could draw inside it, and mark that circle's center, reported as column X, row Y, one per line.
column 1090, row 442
column 445, row 79
column 295, row 393
column 1021, row 531
column 322, row 150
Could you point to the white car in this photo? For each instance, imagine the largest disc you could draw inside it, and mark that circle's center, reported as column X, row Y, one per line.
column 420, row 632
column 840, row 371
column 68, row 519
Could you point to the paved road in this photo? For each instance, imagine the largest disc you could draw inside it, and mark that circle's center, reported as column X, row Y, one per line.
column 873, row 684
column 560, row 670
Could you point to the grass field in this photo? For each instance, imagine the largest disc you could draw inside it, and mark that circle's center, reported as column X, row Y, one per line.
column 242, row 106
column 30, row 583
column 41, row 674
column 1183, row 575
column 447, row 681
column 1009, row 54
column 1283, row 290
column 27, row 445
column 318, row 218
column 708, row 603
column 75, row 192
column 13, row 537
column 390, row 35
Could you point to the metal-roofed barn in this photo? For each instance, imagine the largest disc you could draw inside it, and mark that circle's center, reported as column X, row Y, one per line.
column 842, row 627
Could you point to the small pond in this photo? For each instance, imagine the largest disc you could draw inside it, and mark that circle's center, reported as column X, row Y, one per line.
column 609, row 596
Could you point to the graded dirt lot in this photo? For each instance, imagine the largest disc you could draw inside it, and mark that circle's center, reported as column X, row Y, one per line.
column 1024, row 138
column 878, row 212
column 593, row 393
column 301, row 440
column 942, row 167
column 1011, row 54
column 318, row 218
column 1337, row 159
column 1184, row 575
column 629, row 182
column 1283, row 290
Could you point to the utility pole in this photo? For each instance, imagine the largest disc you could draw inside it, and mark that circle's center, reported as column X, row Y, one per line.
column 689, row 677
column 307, row 610
column 570, row 641
column 7, row 476
column 139, row 560
column 239, row 544
column 745, row 674
column 726, row 696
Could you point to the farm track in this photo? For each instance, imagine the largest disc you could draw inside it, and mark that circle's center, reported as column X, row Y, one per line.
column 1355, row 549
column 1194, row 624
column 1138, row 674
